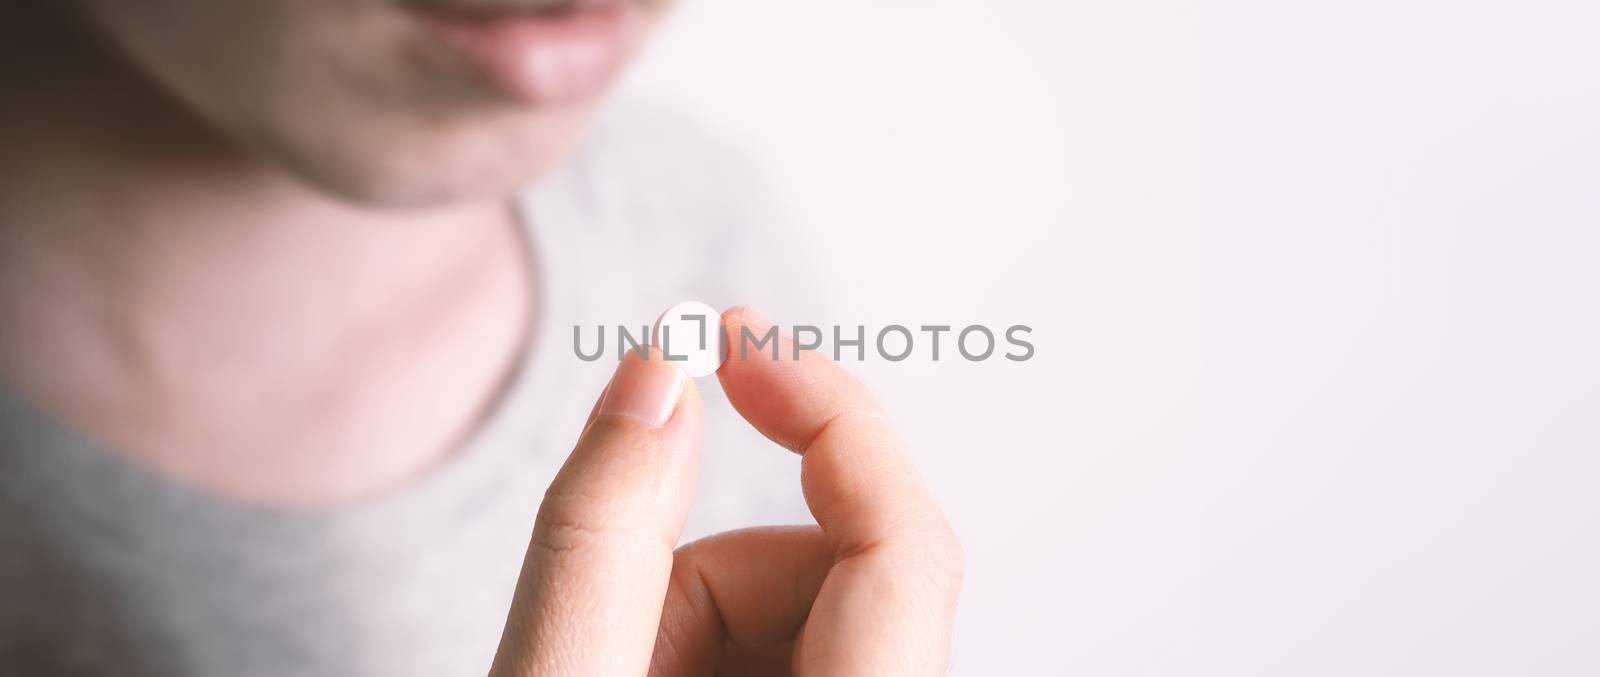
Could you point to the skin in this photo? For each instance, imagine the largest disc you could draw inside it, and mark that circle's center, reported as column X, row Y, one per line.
column 870, row 590
column 264, row 248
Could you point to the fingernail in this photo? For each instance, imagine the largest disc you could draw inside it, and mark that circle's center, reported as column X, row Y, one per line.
column 751, row 334
column 757, row 322
column 645, row 388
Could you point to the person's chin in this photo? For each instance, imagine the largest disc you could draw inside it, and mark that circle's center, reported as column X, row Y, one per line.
column 419, row 174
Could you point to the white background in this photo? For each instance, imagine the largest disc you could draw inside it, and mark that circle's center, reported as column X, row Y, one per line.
column 1315, row 292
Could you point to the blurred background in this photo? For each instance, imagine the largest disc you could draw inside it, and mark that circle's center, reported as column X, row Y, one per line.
column 1313, row 287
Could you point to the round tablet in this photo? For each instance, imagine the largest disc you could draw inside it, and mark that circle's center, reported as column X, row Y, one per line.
column 690, row 335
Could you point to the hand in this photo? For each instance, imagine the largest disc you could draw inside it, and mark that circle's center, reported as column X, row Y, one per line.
column 871, row 590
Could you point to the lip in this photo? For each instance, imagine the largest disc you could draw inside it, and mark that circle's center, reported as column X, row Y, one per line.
column 544, row 55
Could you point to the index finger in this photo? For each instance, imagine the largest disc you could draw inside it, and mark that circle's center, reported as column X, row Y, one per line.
column 857, row 476
column 887, row 603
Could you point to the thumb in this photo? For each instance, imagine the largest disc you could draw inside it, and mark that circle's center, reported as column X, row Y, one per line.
column 592, row 585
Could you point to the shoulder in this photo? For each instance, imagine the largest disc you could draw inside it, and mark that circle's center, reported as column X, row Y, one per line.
column 646, row 156
column 661, row 140
column 685, row 204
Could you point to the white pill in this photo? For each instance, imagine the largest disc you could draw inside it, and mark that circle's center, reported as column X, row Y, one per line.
column 690, row 335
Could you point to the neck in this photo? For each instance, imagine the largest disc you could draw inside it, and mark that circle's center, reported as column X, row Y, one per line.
column 139, row 248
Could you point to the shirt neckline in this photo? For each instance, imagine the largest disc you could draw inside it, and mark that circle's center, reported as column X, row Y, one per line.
column 125, row 489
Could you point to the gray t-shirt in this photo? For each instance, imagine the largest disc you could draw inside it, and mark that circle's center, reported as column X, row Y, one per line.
column 108, row 568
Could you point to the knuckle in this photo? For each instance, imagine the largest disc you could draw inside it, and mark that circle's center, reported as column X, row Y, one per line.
column 947, row 553
column 560, row 530
column 557, row 534
column 853, row 427
column 936, row 551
